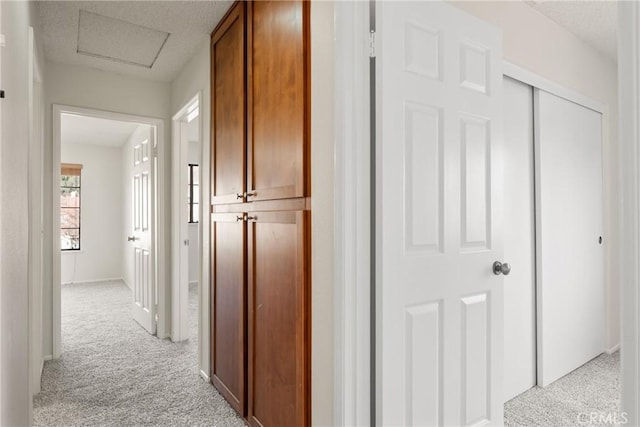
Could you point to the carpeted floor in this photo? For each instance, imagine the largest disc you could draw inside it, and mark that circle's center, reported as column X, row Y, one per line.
column 113, row 373
column 592, row 388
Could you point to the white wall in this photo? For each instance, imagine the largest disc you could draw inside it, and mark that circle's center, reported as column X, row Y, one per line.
column 534, row 42
column 15, row 387
column 91, row 88
column 101, row 206
column 143, row 132
column 322, row 225
column 194, row 78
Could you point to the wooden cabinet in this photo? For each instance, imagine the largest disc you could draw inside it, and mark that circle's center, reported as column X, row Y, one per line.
column 261, row 120
column 260, row 193
column 278, row 101
column 229, row 304
column 228, row 85
column 278, row 306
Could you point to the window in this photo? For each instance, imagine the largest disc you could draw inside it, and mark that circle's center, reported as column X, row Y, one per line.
column 193, row 196
column 70, row 207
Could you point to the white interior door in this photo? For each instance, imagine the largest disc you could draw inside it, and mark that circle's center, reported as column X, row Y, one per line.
column 519, row 240
column 569, row 215
column 144, row 307
column 439, row 181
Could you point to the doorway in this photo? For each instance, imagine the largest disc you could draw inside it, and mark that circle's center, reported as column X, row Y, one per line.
column 109, row 167
column 186, row 212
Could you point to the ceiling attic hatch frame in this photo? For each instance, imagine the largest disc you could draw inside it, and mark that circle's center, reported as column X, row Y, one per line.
column 119, row 41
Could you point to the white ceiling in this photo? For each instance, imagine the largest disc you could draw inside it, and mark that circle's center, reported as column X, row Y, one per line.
column 94, row 131
column 189, row 24
column 595, row 22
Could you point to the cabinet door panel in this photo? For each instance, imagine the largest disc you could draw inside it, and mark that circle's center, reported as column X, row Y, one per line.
column 278, row 322
column 228, row 66
column 278, row 111
column 228, row 364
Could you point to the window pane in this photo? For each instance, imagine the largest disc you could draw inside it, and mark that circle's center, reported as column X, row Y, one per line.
column 196, row 175
column 69, row 239
column 69, row 198
column 69, row 181
column 196, row 212
column 69, row 218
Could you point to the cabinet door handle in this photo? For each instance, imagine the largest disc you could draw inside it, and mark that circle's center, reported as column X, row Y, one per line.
column 239, row 196
column 241, row 218
column 252, row 218
column 253, row 193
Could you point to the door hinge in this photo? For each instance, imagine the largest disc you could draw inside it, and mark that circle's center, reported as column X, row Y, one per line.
column 372, row 44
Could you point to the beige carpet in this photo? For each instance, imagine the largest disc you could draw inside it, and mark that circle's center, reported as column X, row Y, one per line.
column 113, row 373
column 594, row 388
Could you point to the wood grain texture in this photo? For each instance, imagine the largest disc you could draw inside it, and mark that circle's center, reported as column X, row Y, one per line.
column 278, row 319
column 228, row 62
column 229, row 302
column 278, row 99
column 261, row 136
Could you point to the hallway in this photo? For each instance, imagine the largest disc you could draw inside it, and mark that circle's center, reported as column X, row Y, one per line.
column 113, row 373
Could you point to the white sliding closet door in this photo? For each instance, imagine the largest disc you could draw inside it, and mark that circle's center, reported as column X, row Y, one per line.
column 519, row 240
column 570, row 255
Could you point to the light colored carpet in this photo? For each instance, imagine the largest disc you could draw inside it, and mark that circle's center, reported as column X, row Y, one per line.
column 113, row 373
column 592, row 388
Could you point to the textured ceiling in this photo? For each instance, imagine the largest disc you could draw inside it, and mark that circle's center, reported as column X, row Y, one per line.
column 94, row 131
column 595, row 22
column 189, row 24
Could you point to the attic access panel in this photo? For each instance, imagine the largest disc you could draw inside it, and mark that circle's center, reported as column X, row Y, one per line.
column 120, row 41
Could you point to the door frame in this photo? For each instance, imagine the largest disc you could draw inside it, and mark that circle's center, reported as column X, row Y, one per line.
column 36, row 206
column 353, row 209
column 179, row 296
column 161, row 225
column 629, row 263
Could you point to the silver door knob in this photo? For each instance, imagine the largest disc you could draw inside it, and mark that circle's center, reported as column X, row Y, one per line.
column 131, row 238
column 501, row 268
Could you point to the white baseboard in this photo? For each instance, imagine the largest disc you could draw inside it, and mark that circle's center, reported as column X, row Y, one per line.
column 205, row 376
column 613, row 349
column 112, row 279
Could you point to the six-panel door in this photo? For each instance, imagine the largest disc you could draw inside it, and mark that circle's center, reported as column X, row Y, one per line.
column 228, row 295
column 228, row 154
column 278, row 316
column 439, row 304
column 142, row 169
